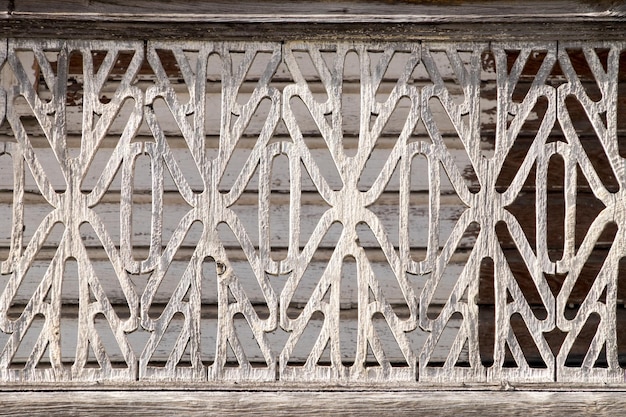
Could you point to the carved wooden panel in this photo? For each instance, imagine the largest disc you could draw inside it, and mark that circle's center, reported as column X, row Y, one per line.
column 311, row 212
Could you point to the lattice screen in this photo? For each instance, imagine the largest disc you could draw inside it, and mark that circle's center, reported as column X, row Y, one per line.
column 305, row 212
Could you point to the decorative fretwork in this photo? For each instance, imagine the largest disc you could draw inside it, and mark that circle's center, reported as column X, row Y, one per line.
column 310, row 212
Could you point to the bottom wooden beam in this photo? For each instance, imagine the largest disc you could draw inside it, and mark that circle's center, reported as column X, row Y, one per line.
column 313, row 403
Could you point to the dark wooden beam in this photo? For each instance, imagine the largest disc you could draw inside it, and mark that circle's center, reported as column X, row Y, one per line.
column 306, row 19
column 433, row 11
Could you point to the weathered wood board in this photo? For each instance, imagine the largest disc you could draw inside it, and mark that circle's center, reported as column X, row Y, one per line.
column 304, row 403
column 397, row 20
column 301, row 9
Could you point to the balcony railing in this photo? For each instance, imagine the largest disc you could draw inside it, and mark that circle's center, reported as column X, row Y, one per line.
column 367, row 197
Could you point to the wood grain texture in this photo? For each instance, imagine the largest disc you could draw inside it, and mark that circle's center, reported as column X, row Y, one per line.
column 275, row 20
column 46, row 27
column 343, row 11
column 285, row 403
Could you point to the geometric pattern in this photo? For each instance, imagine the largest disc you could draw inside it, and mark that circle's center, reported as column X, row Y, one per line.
column 211, row 211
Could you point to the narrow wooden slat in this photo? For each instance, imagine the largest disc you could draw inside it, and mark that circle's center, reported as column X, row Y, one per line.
column 275, row 20
column 435, row 11
column 315, row 403
column 24, row 26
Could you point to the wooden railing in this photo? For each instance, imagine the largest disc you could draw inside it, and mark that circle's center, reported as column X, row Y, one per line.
column 274, row 205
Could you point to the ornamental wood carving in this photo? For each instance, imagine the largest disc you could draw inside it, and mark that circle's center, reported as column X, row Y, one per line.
column 428, row 213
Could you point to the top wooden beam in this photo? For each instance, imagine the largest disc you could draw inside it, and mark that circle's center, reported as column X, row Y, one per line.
column 406, row 11
column 305, row 19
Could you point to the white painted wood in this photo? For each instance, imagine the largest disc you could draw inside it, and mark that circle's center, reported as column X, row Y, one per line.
column 298, row 212
column 142, row 183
